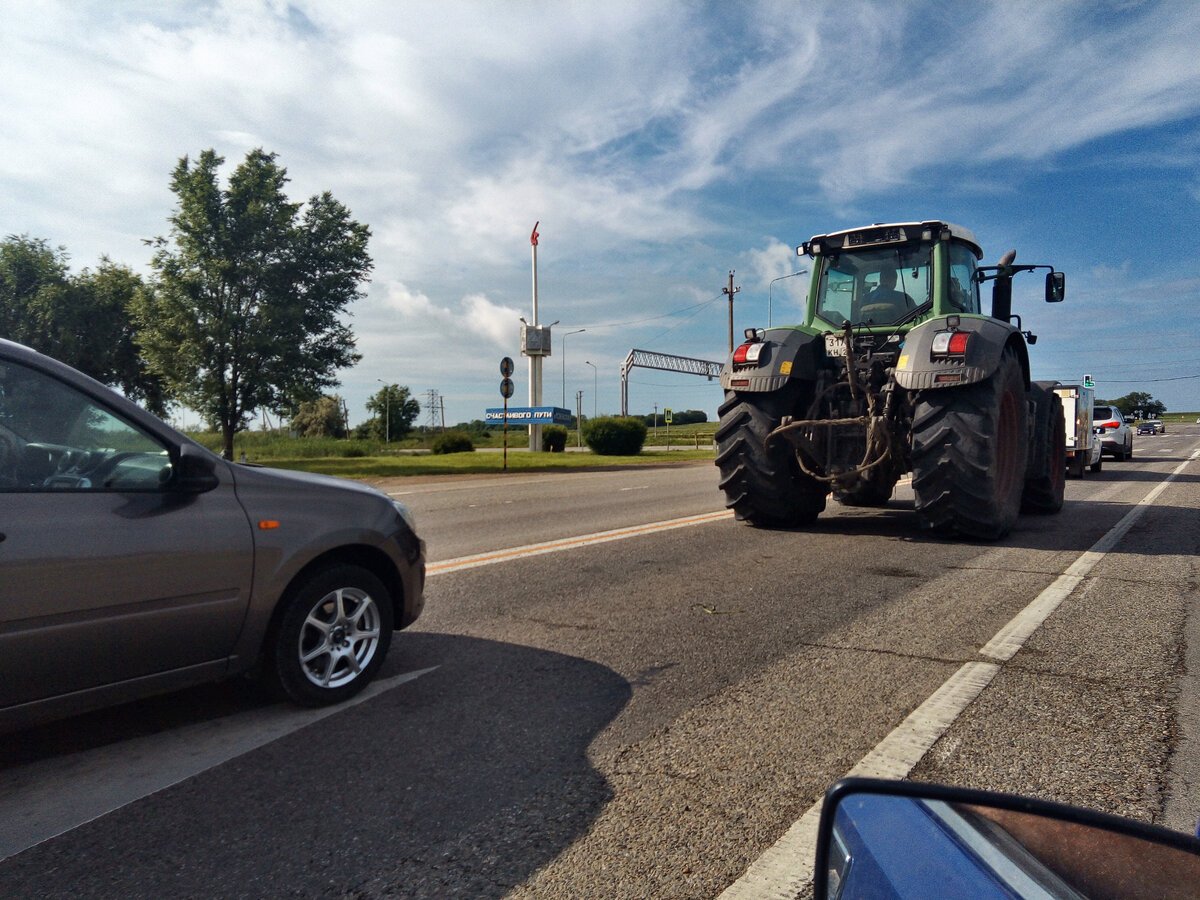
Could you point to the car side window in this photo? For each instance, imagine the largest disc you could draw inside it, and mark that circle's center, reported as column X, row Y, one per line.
column 56, row 438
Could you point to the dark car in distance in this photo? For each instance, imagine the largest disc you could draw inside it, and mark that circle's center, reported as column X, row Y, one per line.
column 1151, row 426
column 133, row 561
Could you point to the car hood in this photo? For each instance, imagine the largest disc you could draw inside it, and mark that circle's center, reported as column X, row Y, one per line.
column 258, row 475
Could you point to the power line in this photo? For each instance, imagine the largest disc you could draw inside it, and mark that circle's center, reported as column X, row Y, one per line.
column 1137, row 380
column 677, row 312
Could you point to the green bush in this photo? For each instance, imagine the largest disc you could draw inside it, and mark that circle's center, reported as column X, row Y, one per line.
column 615, row 435
column 554, row 438
column 453, row 442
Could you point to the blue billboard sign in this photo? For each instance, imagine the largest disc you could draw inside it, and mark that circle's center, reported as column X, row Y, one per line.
column 529, row 415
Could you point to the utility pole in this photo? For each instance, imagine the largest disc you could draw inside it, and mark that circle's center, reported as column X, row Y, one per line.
column 731, row 290
column 387, row 411
column 579, row 418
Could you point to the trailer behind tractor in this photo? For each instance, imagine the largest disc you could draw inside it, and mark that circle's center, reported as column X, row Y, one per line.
column 1082, row 444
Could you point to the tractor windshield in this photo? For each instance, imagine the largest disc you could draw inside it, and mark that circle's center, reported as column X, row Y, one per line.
column 876, row 286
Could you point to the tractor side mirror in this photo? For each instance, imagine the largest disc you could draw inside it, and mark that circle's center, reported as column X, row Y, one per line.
column 1056, row 287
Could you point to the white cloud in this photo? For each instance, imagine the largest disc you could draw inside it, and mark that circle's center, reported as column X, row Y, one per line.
column 657, row 142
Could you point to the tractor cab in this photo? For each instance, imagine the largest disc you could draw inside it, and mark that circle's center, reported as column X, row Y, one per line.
column 891, row 276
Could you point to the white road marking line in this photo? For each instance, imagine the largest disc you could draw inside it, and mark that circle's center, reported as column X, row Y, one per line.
column 499, row 556
column 785, row 868
column 45, row 799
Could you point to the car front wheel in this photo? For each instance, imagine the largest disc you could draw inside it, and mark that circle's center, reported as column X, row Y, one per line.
column 333, row 636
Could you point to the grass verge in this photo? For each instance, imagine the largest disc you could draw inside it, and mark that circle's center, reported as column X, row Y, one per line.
column 478, row 463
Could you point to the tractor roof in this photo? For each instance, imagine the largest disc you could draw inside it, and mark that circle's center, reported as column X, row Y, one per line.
column 892, row 233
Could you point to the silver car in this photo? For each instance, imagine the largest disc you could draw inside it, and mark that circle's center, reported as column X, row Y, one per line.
column 133, row 561
column 1116, row 437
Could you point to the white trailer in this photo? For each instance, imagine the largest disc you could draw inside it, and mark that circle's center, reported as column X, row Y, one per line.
column 1083, row 448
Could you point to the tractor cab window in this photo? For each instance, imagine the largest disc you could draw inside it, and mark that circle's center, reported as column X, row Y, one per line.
column 964, row 290
column 880, row 286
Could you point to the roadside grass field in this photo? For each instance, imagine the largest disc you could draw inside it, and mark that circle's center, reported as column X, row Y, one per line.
column 479, row 463
column 363, row 459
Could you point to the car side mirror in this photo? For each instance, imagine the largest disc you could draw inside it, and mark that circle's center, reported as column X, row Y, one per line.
column 1056, row 287
column 195, row 471
column 906, row 839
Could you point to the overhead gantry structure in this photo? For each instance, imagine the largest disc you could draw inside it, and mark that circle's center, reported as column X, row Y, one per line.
column 648, row 359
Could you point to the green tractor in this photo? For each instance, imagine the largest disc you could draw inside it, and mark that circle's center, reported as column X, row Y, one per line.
column 895, row 369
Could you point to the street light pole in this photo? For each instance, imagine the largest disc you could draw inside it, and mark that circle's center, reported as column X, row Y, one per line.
column 564, row 349
column 594, row 379
column 387, row 414
column 771, row 287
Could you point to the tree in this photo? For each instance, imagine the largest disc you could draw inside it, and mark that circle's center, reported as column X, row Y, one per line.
column 85, row 321
column 1139, row 401
column 29, row 267
column 679, row 417
column 246, row 311
column 320, row 418
column 395, row 410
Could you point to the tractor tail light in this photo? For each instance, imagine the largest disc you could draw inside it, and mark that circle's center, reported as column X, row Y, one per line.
column 748, row 353
column 950, row 343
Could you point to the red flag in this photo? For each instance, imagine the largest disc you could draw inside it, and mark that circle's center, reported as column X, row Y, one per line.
column 533, row 237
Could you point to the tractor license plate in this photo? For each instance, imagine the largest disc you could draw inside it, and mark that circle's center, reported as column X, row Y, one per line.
column 835, row 345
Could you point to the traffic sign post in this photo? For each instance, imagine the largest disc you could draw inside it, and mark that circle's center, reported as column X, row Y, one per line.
column 667, row 419
column 506, row 391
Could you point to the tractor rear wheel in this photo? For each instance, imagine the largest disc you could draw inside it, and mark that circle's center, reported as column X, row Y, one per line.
column 969, row 449
column 1047, row 476
column 764, row 485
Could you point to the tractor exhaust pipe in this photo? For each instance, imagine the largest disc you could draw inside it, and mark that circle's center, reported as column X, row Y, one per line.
column 1002, row 288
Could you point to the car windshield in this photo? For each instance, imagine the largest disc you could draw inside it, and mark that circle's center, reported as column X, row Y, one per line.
column 1103, row 412
column 880, row 286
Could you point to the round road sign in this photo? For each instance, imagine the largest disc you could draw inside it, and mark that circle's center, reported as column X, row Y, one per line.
column 506, row 388
column 506, row 366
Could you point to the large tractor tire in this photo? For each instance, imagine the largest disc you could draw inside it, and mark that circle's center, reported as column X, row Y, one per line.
column 763, row 486
column 1046, row 479
column 969, row 451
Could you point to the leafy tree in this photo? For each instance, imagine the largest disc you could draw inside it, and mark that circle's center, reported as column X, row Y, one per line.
column 29, row 267
column 475, row 426
column 1137, row 400
column 84, row 321
column 395, row 410
column 320, row 418
column 247, row 309
column 678, row 417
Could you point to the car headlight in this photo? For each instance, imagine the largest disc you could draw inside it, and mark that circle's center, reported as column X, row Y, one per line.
column 406, row 515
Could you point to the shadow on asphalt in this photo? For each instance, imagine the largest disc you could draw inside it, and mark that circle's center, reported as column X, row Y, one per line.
column 462, row 782
column 1036, row 532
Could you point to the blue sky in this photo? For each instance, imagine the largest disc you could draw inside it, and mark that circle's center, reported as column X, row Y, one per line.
column 660, row 145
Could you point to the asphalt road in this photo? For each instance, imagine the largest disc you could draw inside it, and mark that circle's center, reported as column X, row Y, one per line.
column 618, row 691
